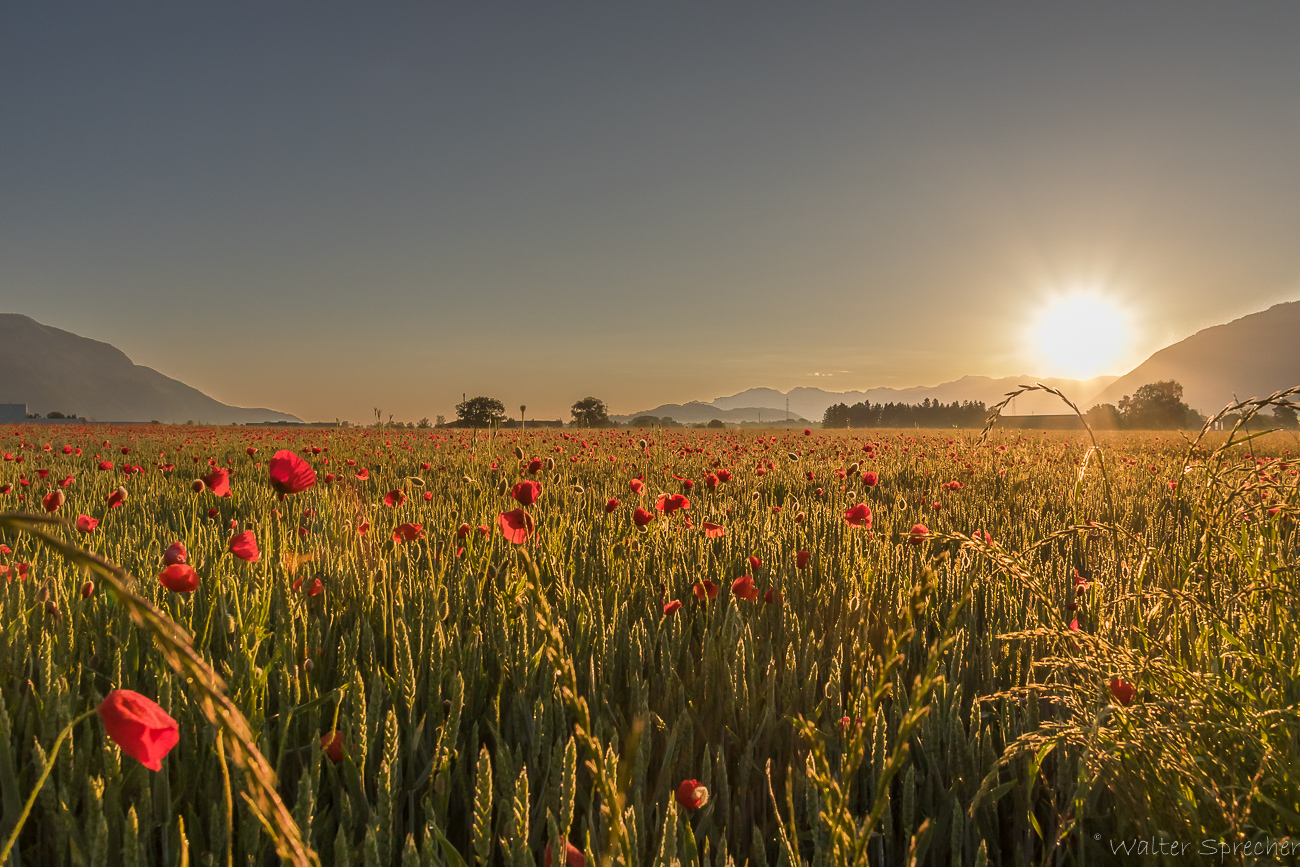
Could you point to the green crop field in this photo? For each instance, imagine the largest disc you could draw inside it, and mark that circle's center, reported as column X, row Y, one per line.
column 868, row 647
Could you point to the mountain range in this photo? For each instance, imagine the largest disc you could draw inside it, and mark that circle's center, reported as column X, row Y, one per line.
column 769, row 404
column 1253, row 356
column 49, row 369
column 53, row 370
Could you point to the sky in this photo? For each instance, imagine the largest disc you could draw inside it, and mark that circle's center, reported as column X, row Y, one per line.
column 327, row 208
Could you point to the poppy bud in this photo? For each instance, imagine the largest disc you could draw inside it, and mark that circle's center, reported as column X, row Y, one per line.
column 332, row 745
column 519, row 453
column 87, row 589
column 308, row 665
column 799, row 518
column 641, row 445
column 198, row 486
column 174, row 554
column 502, row 487
column 579, row 489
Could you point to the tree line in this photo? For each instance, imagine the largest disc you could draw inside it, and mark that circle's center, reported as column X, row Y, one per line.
column 927, row 413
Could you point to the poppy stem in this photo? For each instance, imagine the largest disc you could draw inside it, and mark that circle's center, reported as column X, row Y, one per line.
column 31, row 800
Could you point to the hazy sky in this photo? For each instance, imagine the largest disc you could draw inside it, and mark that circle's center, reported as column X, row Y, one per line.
column 324, row 208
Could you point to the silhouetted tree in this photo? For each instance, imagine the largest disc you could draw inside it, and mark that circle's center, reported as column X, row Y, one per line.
column 590, row 412
column 716, row 423
column 1156, row 406
column 481, row 412
column 1286, row 417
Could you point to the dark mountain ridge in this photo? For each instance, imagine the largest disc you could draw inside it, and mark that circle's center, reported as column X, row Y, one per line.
column 54, row 370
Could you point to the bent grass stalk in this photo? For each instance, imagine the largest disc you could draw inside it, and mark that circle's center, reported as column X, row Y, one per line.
column 207, row 687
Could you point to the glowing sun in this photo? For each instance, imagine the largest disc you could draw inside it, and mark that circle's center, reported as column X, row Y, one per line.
column 1080, row 335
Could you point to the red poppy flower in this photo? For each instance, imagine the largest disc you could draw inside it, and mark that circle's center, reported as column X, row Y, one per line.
column 724, row 475
column 244, row 546
column 801, row 559
column 573, row 856
column 87, row 524
column 705, row 590
column 463, row 530
column 218, row 481
column 691, row 795
column 744, row 588
column 713, row 531
column 87, row 589
column 641, row 517
column 315, row 588
column 611, row 505
column 4, row 489
column 671, row 608
column 526, row 492
column 754, row 562
column 251, row 451
column 332, row 746
column 116, row 498
column 404, row 533
column 711, row 481
column 870, row 479
column 363, row 528
column 534, row 465
column 140, row 727
column 1123, row 691
column 363, row 474
column 636, row 486
column 671, row 503
column 515, row 526
column 289, row 473
column 918, row 534
column 859, row 516
column 180, row 578
column 773, row 597
column 393, row 499
column 53, row 500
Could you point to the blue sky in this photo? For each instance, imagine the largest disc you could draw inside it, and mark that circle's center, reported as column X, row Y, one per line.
column 324, row 208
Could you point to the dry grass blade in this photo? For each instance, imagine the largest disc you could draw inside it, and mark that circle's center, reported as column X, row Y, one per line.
column 206, row 686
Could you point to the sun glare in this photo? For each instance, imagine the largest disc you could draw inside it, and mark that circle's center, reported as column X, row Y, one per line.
column 1080, row 335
